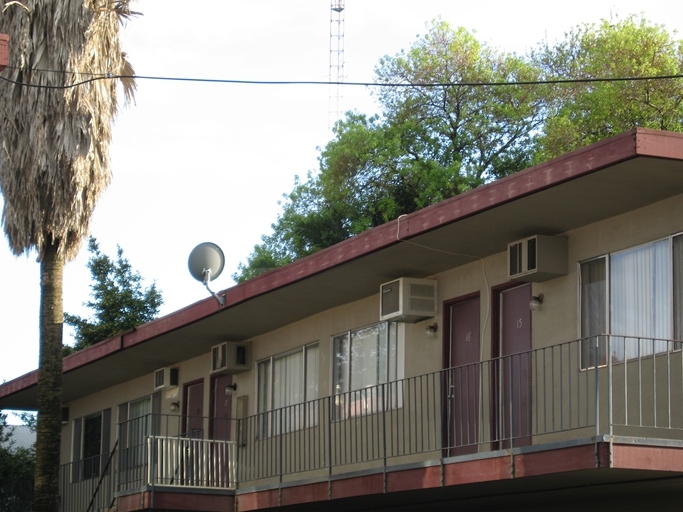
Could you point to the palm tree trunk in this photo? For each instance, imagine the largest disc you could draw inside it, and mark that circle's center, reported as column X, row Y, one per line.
column 49, row 381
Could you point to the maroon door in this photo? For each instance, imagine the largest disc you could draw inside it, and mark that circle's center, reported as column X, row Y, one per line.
column 222, row 407
column 461, row 377
column 514, row 385
column 194, row 409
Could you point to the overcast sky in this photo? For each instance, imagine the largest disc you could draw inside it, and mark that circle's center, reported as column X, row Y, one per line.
column 196, row 162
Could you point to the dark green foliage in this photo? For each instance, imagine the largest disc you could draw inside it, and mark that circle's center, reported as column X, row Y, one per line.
column 428, row 145
column 119, row 301
column 16, row 470
column 433, row 141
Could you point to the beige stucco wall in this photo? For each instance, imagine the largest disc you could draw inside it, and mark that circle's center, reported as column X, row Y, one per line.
column 555, row 322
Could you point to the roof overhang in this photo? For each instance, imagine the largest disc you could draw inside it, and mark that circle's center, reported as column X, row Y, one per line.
column 608, row 178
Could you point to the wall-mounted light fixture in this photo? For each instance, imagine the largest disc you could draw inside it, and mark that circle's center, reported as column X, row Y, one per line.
column 535, row 302
column 230, row 388
column 432, row 329
column 175, row 406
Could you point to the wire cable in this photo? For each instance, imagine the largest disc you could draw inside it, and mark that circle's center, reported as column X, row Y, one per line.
column 111, row 76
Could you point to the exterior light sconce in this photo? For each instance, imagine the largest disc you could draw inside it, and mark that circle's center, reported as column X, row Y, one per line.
column 230, row 389
column 432, row 329
column 175, row 406
column 535, row 302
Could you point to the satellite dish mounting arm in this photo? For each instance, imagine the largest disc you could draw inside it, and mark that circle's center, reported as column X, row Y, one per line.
column 206, row 277
column 206, row 262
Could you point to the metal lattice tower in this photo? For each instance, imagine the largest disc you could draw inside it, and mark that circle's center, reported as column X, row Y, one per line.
column 336, row 59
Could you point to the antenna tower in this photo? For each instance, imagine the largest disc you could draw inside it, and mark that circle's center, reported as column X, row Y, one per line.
column 336, row 58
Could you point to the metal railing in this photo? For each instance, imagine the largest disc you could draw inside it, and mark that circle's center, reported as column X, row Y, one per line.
column 188, row 462
column 548, row 395
column 17, row 494
column 176, row 451
column 89, row 484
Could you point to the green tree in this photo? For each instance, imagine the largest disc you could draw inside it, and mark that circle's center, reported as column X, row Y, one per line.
column 56, row 109
column 17, row 465
column 586, row 112
column 119, row 300
column 429, row 143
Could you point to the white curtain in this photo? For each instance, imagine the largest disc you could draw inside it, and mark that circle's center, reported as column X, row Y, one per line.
column 288, row 380
column 640, row 300
column 284, row 384
column 312, row 372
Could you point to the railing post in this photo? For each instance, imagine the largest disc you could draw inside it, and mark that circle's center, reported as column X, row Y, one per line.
column 237, row 461
column 610, row 389
column 596, row 368
column 511, row 401
column 384, row 429
column 280, row 443
column 330, row 401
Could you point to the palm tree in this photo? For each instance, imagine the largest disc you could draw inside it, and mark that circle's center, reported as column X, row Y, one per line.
column 57, row 103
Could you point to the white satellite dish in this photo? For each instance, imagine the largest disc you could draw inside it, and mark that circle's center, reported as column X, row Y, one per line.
column 205, row 263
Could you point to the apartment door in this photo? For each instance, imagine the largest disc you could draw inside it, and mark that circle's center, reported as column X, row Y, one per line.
column 461, row 376
column 221, row 471
column 222, row 407
column 194, row 409
column 514, row 377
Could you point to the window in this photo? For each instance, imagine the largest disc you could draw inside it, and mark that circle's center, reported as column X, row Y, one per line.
column 91, row 444
column 636, row 296
column 593, row 312
column 137, row 421
column 362, row 360
column 285, row 383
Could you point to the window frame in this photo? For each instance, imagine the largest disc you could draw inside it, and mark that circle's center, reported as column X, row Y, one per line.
column 352, row 401
column 91, row 467
column 275, row 418
column 592, row 342
column 133, row 431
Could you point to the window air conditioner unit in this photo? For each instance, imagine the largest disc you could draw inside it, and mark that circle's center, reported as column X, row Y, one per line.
column 230, row 357
column 165, row 378
column 537, row 258
column 407, row 300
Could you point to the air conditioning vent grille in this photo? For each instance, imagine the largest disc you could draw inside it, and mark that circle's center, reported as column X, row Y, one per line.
column 391, row 297
column 219, row 355
column 531, row 252
column 408, row 299
column 422, row 290
column 166, row 377
column 515, row 252
column 538, row 258
column 159, row 379
column 419, row 304
column 232, row 357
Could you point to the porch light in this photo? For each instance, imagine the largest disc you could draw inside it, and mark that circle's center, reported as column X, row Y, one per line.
column 175, row 406
column 431, row 330
column 535, row 302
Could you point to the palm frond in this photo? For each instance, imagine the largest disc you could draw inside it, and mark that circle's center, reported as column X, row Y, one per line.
column 54, row 154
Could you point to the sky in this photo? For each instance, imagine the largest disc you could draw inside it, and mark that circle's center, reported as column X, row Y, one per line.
column 201, row 162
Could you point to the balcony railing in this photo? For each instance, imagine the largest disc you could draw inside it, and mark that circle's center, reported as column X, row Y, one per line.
column 176, row 451
column 187, row 462
column 548, row 395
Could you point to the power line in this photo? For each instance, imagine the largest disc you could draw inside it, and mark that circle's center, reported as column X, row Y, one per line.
column 559, row 81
